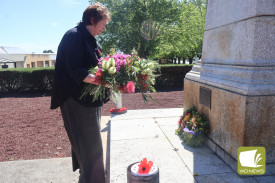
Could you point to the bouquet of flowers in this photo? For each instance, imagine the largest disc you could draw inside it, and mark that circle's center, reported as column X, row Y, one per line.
column 121, row 73
column 192, row 127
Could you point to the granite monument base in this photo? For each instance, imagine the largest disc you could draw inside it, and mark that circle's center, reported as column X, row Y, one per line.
column 235, row 119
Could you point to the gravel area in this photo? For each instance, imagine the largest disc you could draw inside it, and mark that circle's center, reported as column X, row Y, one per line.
column 30, row 130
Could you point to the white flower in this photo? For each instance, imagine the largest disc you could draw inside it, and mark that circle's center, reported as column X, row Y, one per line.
column 151, row 66
column 143, row 66
column 112, row 62
column 148, row 71
column 105, row 65
column 112, row 70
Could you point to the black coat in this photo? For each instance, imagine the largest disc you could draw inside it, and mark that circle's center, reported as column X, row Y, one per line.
column 77, row 53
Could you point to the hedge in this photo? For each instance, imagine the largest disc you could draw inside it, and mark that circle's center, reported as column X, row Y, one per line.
column 171, row 76
column 40, row 80
column 26, row 80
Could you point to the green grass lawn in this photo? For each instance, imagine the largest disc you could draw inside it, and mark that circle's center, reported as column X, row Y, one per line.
column 174, row 65
column 27, row 69
column 167, row 65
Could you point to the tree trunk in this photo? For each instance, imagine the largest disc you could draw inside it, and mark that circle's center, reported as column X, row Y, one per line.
column 183, row 60
column 178, row 60
column 190, row 60
column 143, row 53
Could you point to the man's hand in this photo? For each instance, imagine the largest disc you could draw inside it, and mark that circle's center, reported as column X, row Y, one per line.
column 91, row 79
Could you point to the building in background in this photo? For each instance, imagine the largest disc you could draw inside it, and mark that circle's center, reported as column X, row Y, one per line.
column 11, row 57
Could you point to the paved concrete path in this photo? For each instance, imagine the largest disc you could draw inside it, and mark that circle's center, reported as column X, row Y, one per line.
column 128, row 138
column 150, row 133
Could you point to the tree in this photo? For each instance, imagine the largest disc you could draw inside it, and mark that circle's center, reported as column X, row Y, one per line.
column 47, row 51
column 155, row 28
column 184, row 38
column 127, row 30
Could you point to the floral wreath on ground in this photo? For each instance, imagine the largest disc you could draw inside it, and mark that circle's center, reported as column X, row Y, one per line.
column 192, row 127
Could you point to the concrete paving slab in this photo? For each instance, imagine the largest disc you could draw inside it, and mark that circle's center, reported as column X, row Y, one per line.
column 158, row 150
column 265, row 179
column 134, row 129
column 270, row 169
column 148, row 113
column 170, row 121
column 224, row 178
column 199, row 160
column 105, row 126
column 58, row 170
column 105, row 136
column 169, row 132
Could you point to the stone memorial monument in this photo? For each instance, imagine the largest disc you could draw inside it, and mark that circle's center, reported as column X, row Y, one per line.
column 234, row 82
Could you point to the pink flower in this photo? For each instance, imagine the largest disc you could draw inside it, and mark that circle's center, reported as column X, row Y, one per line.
column 131, row 87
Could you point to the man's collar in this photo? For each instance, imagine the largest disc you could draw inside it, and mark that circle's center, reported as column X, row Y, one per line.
column 85, row 32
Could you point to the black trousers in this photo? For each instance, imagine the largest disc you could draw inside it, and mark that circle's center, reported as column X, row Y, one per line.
column 82, row 125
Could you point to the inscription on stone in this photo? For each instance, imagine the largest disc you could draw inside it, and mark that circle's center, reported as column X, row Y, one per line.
column 205, row 97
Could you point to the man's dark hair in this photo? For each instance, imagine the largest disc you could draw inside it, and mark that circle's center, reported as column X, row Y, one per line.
column 94, row 13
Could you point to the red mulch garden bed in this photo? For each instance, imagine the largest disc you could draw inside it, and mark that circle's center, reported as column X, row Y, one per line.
column 30, row 130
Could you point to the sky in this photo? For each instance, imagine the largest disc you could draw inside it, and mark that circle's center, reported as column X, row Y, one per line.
column 37, row 25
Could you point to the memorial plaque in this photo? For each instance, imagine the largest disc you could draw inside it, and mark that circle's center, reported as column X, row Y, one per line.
column 205, row 97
